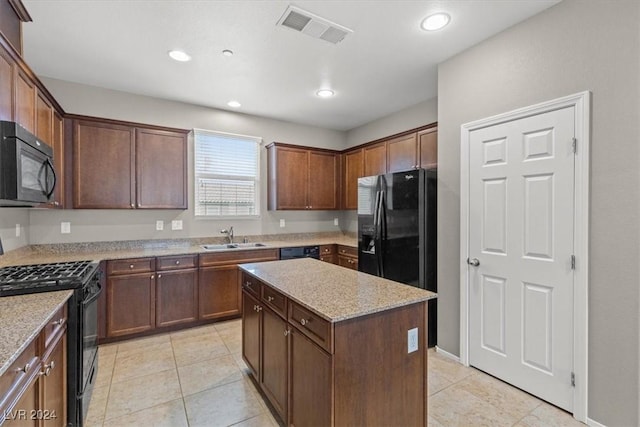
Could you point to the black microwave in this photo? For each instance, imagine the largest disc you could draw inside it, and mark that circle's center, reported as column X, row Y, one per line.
column 27, row 176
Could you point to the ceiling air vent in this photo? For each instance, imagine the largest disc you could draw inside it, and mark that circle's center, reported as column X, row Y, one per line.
column 313, row 25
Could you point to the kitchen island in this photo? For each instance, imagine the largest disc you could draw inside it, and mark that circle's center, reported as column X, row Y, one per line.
column 332, row 346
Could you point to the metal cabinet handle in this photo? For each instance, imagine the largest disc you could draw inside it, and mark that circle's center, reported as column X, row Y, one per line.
column 473, row 262
column 25, row 368
column 48, row 368
column 303, row 321
column 270, row 298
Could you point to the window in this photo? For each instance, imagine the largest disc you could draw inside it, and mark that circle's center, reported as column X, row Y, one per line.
column 227, row 174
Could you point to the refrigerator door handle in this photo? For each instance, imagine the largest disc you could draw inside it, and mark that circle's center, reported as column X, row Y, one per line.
column 382, row 234
column 375, row 215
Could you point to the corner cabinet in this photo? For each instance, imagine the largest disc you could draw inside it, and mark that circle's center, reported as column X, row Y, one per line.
column 302, row 178
column 121, row 166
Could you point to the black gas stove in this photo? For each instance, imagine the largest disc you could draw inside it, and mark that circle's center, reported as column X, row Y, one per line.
column 82, row 328
column 27, row 279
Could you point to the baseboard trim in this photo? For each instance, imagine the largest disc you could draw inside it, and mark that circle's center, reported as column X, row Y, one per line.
column 593, row 423
column 447, row 354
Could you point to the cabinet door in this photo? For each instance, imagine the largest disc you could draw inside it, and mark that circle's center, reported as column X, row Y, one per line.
column 274, row 360
column 44, row 119
column 310, row 389
column 57, row 144
column 251, row 333
column 402, row 153
column 428, row 141
column 161, row 169
column 219, row 291
column 130, row 304
column 323, row 180
column 7, row 67
column 20, row 415
column 353, row 169
column 103, row 162
column 25, row 107
column 375, row 159
column 54, row 385
column 176, row 297
column 291, row 178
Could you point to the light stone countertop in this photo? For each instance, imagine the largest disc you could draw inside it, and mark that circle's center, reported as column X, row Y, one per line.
column 335, row 293
column 22, row 317
column 111, row 250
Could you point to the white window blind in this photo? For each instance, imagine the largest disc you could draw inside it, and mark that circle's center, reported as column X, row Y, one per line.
column 227, row 174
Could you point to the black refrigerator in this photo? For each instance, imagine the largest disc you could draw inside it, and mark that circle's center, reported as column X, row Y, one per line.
column 397, row 231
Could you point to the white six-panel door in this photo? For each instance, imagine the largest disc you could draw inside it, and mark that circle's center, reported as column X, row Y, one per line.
column 521, row 213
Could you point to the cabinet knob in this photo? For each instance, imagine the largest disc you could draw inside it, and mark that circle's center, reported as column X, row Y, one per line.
column 247, row 284
column 132, row 205
column 131, row 266
column 259, row 308
column 303, row 322
column 159, row 276
column 177, row 262
column 286, row 332
column 57, row 322
column 25, row 368
column 153, row 276
column 270, row 298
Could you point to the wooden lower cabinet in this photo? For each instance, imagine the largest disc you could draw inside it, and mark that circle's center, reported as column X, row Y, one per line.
column 251, row 333
column 311, row 383
column 347, row 257
column 131, row 304
column 176, row 297
column 21, row 414
column 219, row 291
column 53, row 384
column 273, row 376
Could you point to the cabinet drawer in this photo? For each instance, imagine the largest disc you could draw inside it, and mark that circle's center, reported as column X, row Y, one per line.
column 238, row 257
column 331, row 259
column 275, row 300
column 348, row 262
column 15, row 379
column 176, row 262
column 128, row 266
column 251, row 284
column 327, row 250
column 313, row 326
column 348, row 251
column 56, row 324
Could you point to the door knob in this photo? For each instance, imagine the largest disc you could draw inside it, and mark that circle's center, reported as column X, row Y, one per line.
column 473, row 262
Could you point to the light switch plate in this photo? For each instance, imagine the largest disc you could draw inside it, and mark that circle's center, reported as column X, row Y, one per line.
column 412, row 340
column 17, row 230
column 159, row 225
column 176, row 224
column 282, row 223
column 65, row 227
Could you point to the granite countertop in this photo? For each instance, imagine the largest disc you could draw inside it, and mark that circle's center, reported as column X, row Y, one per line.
column 120, row 250
column 332, row 292
column 22, row 317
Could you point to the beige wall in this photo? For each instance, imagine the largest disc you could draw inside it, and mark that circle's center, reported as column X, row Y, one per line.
column 412, row 117
column 9, row 218
column 102, row 225
column 574, row 46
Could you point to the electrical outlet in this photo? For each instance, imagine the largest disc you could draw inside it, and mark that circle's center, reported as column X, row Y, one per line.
column 159, row 225
column 65, row 227
column 176, row 224
column 17, row 230
column 412, row 340
column 335, row 221
column 282, row 223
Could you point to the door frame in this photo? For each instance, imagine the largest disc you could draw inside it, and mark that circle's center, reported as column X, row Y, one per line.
column 582, row 107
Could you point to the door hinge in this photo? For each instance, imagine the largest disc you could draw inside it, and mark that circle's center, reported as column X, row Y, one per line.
column 573, row 379
column 573, row 262
column 574, row 145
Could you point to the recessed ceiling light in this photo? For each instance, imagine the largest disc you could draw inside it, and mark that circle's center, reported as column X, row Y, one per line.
column 435, row 22
column 325, row 93
column 234, row 104
column 179, row 55
column 227, row 52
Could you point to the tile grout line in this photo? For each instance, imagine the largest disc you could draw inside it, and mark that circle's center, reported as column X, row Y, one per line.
column 184, row 404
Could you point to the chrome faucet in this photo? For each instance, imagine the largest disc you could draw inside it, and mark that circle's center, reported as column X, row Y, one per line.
column 229, row 233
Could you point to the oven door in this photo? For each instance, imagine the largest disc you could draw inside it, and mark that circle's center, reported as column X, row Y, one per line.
column 35, row 175
column 89, row 336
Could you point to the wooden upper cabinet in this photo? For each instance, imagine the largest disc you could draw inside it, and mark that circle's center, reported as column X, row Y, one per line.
column 161, row 169
column 103, row 162
column 44, row 118
column 288, row 178
column 428, row 145
column 57, row 143
column 302, row 178
column 353, row 169
column 25, row 103
column 7, row 70
column 375, row 159
column 402, row 153
column 323, row 180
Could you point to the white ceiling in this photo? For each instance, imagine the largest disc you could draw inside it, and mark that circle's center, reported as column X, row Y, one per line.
column 387, row 64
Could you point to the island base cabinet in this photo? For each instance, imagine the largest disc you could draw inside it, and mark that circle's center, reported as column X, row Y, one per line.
column 21, row 415
column 54, row 385
column 311, row 393
column 274, row 360
column 251, row 333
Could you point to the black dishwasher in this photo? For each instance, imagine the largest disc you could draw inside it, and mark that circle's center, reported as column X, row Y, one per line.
column 300, row 252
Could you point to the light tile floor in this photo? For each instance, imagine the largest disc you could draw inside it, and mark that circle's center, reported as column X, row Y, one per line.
column 197, row 377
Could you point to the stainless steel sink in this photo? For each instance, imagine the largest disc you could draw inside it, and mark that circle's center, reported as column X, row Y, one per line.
column 225, row 246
